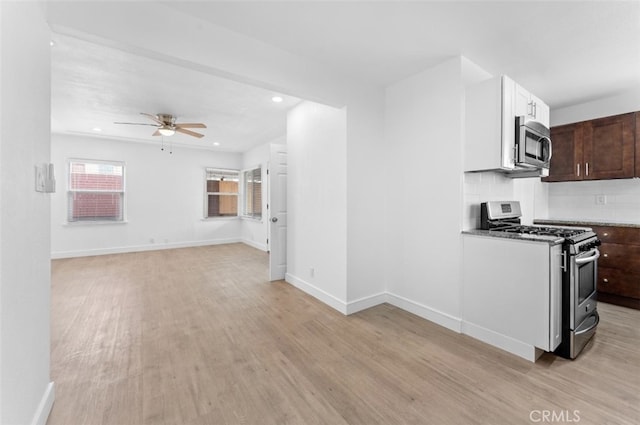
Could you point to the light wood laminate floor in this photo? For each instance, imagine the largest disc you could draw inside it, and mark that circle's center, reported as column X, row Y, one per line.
column 198, row 336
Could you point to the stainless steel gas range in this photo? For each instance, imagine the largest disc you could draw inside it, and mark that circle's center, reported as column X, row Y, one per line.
column 579, row 266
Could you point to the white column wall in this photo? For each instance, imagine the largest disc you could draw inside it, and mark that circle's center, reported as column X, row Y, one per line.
column 424, row 180
column 26, row 393
column 317, row 202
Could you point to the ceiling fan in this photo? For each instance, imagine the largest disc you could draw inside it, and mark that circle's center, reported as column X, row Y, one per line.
column 167, row 126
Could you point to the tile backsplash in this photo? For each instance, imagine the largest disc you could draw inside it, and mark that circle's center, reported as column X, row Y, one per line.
column 616, row 201
column 599, row 200
column 482, row 187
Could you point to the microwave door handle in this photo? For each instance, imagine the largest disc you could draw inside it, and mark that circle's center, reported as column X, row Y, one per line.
column 550, row 147
column 589, row 259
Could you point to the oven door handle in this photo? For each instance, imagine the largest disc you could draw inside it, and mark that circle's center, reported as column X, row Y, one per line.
column 590, row 258
column 590, row 327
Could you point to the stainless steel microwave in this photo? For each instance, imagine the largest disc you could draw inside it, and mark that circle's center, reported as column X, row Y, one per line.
column 533, row 144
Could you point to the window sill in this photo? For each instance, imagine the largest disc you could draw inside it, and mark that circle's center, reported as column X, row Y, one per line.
column 258, row 220
column 92, row 223
column 219, row 218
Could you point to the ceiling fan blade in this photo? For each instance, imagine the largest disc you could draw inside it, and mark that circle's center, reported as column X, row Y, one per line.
column 135, row 123
column 153, row 117
column 189, row 132
column 157, row 133
column 190, row 125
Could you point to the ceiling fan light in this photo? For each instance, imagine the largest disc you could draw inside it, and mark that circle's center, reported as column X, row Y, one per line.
column 167, row 131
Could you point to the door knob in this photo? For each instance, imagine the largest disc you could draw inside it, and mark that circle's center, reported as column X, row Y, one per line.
column 274, row 219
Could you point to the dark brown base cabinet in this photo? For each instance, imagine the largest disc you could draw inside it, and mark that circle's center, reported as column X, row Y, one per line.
column 619, row 265
column 603, row 148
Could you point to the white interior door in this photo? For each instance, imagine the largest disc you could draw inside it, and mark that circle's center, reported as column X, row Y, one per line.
column 277, row 212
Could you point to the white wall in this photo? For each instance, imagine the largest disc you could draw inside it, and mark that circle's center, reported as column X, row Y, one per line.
column 423, row 179
column 26, row 392
column 577, row 200
column 317, row 202
column 164, row 198
column 629, row 101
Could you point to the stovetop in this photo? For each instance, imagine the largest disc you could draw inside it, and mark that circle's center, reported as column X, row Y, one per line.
column 504, row 216
column 542, row 230
column 571, row 235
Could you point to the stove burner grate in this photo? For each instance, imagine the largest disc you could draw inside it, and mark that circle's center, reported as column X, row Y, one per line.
column 542, row 231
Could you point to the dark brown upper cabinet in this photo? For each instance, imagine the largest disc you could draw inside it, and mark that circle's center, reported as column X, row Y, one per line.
column 637, row 144
column 604, row 148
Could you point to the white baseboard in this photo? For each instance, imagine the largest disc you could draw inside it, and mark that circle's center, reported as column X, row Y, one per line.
column 366, row 302
column 254, row 244
column 432, row 315
column 506, row 343
column 139, row 248
column 46, row 404
column 435, row 316
column 316, row 292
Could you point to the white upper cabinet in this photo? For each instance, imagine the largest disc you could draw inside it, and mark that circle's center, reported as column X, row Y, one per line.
column 530, row 106
column 490, row 125
column 491, row 108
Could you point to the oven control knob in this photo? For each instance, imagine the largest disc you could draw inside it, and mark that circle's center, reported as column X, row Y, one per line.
column 590, row 245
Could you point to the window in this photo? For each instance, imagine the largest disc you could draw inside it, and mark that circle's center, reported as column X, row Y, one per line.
column 96, row 191
column 221, row 199
column 253, row 193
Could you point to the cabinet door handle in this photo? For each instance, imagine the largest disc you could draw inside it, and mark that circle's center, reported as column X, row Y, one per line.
column 605, row 234
column 586, row 169
column 605, row 280
column 578, row 169
column 605, row 255
column 535, row 110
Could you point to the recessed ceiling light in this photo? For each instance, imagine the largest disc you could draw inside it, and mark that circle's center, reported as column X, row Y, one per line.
column 277, row 99
column 52, row 43
column 97, row 129
column 216, row 144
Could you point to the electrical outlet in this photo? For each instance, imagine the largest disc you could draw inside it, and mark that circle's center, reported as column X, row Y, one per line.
column 601, row 199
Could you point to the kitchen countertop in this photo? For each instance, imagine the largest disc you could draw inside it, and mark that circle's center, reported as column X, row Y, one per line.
column 551, row 240
column 583, row 223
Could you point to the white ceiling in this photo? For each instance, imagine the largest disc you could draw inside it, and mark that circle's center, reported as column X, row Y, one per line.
column 94, row 86
column 565, row 52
